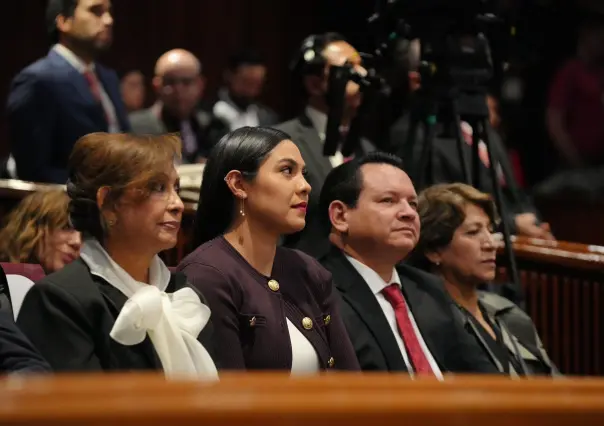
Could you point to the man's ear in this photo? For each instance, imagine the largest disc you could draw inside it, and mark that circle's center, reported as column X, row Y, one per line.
column 235, row 182
column 63, row 23
column 338, row 216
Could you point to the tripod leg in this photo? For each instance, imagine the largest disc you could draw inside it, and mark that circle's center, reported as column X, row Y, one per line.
column 460, row 144
column 511, row 258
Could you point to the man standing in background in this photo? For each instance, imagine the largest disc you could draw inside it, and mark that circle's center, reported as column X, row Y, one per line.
column 65, row 95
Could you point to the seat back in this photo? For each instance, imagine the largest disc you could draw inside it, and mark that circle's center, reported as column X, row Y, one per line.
column 20, row 277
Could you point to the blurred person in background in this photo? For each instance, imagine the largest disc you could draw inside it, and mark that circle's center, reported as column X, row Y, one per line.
column 238, row 101
column 67, row 94
column 179, row 86
column 132, row 86
column 38, row 231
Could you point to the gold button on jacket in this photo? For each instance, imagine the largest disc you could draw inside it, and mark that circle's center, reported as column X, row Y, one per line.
column 273, row 285
column 307, row 323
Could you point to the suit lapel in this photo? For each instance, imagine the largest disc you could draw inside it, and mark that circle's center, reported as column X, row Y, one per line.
column 422, row 314
column 358, row 295
column 81, row 89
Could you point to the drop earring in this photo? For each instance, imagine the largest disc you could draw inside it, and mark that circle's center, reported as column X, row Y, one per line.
column 242, row 209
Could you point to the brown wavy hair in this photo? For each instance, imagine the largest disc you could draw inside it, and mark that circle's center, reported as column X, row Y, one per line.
column 125, row 163
column 26, row 227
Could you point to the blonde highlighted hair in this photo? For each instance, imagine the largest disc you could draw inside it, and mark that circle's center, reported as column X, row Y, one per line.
column 27, row 226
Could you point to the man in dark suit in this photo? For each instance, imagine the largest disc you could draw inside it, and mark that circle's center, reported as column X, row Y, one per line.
column 179, row 85
column 398, row 318
column 311, row 69
column 237, row 102
column 65, row 95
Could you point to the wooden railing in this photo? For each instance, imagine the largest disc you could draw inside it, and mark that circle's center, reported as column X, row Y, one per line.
column 564, row 288
column 273, row 399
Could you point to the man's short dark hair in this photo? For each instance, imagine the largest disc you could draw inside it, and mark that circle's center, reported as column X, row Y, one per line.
column 247, row 57
column 55, row 8
column 345, row 182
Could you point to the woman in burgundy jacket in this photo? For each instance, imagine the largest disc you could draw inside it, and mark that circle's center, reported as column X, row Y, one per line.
column 273, row 308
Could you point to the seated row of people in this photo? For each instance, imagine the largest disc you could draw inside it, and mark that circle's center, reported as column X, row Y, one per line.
column 242, row 301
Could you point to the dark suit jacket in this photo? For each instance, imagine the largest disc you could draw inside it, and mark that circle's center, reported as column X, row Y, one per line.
column 208, row 129
column 50, row 106
column 250, row 329
column 17, row 355
column 432, row 309
column 519, row 336
column 69, row 314
column 313, row 239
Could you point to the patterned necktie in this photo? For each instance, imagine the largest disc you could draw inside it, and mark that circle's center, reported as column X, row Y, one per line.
column 418, row 358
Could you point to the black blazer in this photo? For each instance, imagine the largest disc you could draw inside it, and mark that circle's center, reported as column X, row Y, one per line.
column 249, row 311
column 50, row 106
column 312, row 239
column 17, row 355
column 432, row 309
column 69, row 314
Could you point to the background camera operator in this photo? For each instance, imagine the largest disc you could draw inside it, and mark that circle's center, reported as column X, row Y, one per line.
column 311, row 68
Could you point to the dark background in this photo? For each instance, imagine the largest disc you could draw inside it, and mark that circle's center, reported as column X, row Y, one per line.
column 212, row 29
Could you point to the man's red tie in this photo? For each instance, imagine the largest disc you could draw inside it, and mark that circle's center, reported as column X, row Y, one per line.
column 95, row 89
column 418, row 358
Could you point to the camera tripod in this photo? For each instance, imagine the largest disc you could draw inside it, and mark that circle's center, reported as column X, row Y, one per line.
column 433, row 111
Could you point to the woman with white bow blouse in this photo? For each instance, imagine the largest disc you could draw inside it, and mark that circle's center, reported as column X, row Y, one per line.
column 118, row 307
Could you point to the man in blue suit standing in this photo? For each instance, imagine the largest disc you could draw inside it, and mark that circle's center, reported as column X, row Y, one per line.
column 65, row 95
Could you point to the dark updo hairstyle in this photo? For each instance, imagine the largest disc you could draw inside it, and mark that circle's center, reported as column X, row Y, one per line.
column 125, row 163
column 244, row 149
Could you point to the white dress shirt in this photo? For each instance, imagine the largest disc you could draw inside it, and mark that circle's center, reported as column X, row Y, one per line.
column 82, row 68
column 319, row 122
column 376, row 285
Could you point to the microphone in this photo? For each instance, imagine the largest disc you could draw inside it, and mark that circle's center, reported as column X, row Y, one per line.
column 336, row 90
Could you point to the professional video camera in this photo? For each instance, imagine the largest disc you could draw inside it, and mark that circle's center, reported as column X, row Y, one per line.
column 456, row 66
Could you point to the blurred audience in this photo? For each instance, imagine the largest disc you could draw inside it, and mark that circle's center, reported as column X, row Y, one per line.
column 38, row 231
column 133, row 90
column 575, row 114
column 179, row 85
column 67, row 94
column 274, row 308
column 118, row 307
column 456, row 241
column 311, row 68
column 238, row 101
column 398, row 318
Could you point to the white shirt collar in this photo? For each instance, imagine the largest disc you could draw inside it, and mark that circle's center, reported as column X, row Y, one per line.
column 102, row 265
column 373, row 280
column 318, row 120
column 73, row 60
